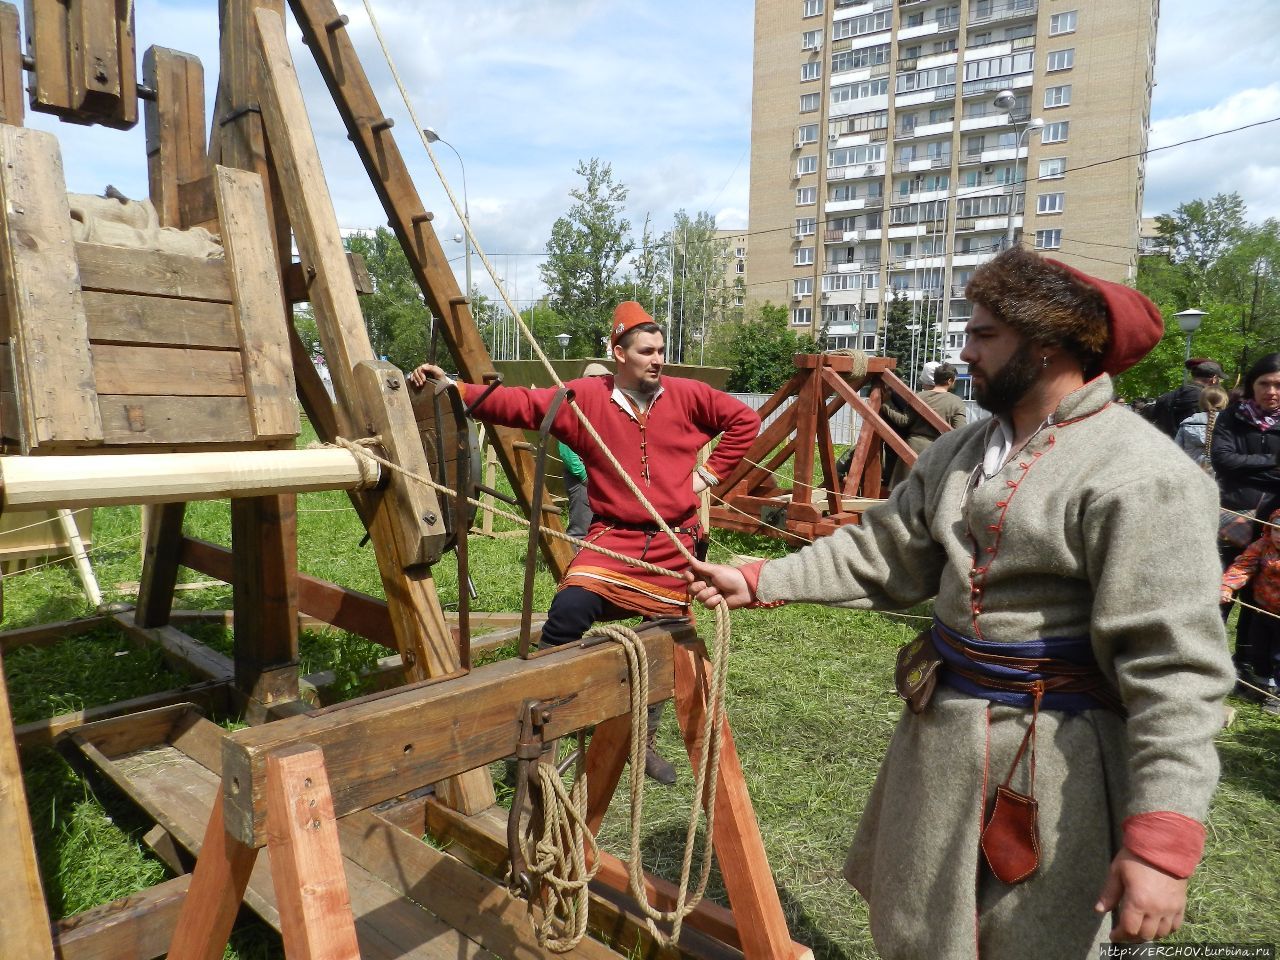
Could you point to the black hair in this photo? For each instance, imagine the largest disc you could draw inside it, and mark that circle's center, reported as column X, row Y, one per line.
column 1268, row 363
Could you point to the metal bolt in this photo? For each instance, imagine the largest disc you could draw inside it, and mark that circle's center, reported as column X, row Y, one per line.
column 393, row 383
column 428, row 518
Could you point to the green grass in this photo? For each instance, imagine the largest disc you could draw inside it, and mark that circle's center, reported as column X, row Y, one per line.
column 810, row 699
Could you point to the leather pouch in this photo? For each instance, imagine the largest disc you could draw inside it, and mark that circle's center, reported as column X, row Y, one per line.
column 916, row 673
column 1011, row 838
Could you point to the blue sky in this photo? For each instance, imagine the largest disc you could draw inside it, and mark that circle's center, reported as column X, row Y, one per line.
column 524, row 89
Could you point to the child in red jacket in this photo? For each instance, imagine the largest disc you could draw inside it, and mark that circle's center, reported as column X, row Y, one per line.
column 1260, row 563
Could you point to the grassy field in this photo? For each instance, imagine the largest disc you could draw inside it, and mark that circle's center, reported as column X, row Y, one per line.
column 810, row 701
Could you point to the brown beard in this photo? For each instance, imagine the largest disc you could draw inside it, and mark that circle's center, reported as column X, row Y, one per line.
column 1010, row 383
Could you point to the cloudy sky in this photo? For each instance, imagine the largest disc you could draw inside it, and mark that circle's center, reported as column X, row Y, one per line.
column 524, row 89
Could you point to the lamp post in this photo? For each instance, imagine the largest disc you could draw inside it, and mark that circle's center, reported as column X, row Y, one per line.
column 433, row 137
column 1189, row 321
column 563, row 339
column 1005, row 100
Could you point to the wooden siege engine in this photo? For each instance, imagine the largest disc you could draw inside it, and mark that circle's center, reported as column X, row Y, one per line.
column 143, row 343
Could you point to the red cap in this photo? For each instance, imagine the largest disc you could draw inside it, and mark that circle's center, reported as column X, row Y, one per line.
column 626, row 316
column 1135, row 322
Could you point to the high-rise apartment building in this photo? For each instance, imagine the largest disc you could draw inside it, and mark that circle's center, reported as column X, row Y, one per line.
column 896, row 145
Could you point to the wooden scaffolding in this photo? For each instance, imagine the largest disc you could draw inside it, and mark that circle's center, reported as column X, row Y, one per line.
column 176, row 341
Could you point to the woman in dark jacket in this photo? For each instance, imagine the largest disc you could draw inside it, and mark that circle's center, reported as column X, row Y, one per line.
column 1245, row 453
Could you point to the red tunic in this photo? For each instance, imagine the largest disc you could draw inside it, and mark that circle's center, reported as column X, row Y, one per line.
column 659, row 451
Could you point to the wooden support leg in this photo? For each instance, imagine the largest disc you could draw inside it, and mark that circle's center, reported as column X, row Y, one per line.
column 160, row 564
column 306, row 860
column 739, row 848
column 23, row 918
column 606, row 756
column 213, row 899
column 264, row 537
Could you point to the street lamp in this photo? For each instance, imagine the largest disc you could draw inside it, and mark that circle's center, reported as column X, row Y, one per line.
column 433, row 137
column 563, row 339
column 1005, row 100
column 1189, row 321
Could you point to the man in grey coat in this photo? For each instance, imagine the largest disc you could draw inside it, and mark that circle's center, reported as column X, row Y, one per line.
column 1049, row 781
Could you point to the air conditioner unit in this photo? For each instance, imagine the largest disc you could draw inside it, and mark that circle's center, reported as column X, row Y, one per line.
column 798, row 298
column 799, row 143
column 832, row 137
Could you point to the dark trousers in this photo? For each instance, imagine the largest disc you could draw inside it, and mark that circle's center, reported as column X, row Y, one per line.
column 573, row 612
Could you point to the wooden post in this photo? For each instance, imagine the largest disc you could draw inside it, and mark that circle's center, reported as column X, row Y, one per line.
column 213, row 899
column 24, row 920
column 316, row 922
column 265, row 596
column 175, row 131
column 159, row 563
column 11, row 92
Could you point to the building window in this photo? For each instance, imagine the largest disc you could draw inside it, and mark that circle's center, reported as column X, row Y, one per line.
column 803, row 286
column 806, row 165
column 806, row 133
column 812, row 8
column 859, row 91
column 806, row 196
column 806, row 226
column 859, row 26
column 1057, row 96
column 1055, row 132
column 956, row 341
column 802, row 316
column 811, row 40
column 741, row 266
column 1053, row 169
column 1064, row 22
column 804, row 257
column 1048, row 239
column 1060, row 60
column 1051, row 202
column 809, row 102
column 811, row 71
column 740, row 252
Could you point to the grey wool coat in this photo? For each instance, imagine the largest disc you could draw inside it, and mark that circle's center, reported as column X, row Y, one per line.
column 1099, row 527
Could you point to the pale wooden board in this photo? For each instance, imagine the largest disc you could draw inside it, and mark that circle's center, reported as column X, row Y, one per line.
column 174, row 421
column 49, row 45
column 259, row 308
column 128, row 370
column 23, row 919
column 43, row 302
column 37, row 533
column 156, row 274
column 11, row 92
column 128, row 318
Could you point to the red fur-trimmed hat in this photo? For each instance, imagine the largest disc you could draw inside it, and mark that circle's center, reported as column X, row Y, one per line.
column 1109, row 326
column 626, row 316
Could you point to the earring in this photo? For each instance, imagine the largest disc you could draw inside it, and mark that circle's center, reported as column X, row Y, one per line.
column 1044, row 362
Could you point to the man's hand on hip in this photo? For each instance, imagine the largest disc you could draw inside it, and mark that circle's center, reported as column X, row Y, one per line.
column 1148, row 902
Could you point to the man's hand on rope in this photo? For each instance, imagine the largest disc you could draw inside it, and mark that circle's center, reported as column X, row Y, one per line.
column 714, row 583
column 428, row 371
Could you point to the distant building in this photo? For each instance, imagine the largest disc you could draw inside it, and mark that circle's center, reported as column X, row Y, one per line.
column 1149, row 240
column 883, row 162
column 735, row 271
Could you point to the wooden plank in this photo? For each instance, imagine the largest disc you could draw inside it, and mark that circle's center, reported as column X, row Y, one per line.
column 264, row 337
column 47, row 634
column 739, row 848
column 135, row 927
column 11, row 89
column 175, row 129
column 411, row 597
column 216, row 891
column 297, row 283
column 122, row 370
column 103, row 89
column 607, row 754
column 264, row 534
column 872, row 417
column 43, row 303
column 159, row 563
column 126, row 318
column 306, row 859
column 152, row 273
column 925, row 412
column 382, row 747
column 24, row 919
column 49, row 45
column 809, row 401
column 174, row 421
column 180, row 649
column 345, row 77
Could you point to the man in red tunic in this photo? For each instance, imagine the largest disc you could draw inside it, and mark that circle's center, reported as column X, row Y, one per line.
column 654, row 426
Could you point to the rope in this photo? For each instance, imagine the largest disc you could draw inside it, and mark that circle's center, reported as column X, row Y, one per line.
column 559, row 859
column 860, row 361
column 1248, row 516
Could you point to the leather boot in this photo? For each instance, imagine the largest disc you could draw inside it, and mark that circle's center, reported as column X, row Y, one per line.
column 655, row 767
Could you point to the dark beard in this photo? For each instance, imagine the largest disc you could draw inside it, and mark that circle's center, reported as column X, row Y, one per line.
column 648, row 389
column 1010, row 384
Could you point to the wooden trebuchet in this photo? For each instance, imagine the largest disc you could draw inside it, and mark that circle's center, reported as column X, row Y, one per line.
column 100, row 480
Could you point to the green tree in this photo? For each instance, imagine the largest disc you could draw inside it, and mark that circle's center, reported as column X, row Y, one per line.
column 651, row 271
column 897, row 338
column 700, row 293
column 395, row 315
column 586, row 248
column 760, row 351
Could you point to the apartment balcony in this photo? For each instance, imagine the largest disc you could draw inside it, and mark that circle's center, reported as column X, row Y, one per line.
column 1008, row 10
column 876, row 136
column 874, row 203
column 973, row 88
column 833, row 236
column 945, row 93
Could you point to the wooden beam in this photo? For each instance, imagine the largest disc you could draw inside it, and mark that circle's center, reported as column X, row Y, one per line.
column 135, row 927
column 306, row 861
column 925, row 412
column 24, row 920
column 174, row 122
column 180, row 649
column 57, row 399
column 152, row 273
column 297, row 284
column 380, row 747
column 11, row 91
column 159, row 563
column 47, row 634
column 871, row 417
column 344, row 75
column 111, row 480
column 264, row 534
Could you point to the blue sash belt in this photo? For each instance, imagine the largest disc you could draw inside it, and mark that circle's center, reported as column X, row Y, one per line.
column 1062, row 669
